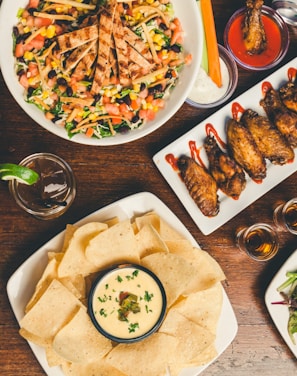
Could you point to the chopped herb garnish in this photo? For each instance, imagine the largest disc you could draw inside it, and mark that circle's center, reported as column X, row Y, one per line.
column 133, row 327
column 147, row 296
column 119, row 279
column 102, row 312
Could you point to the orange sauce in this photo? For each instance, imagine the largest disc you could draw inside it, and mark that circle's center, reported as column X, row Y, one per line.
column 273, row 36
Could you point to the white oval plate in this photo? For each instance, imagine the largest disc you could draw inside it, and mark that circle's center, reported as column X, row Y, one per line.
column 22, row 283
column 278, row 312
column 189, row 15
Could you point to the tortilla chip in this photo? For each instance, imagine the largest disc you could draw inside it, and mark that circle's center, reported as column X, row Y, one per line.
column 98, row 368
column 69, row 231
column 49, row 273
column 192, row 338
column 116, row 244
column 174, row 272
column 203, row 307
column 149, row 241
column 54, row 308
column 74, row 260
column 79, row 341
column 149, row 357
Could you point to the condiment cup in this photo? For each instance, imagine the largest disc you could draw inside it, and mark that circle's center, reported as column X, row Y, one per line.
column 287, row 10
column 127, row 303
column 253, row 62
column 52, row 194
column 285, row 216
column 259, row 241
column 205, row 93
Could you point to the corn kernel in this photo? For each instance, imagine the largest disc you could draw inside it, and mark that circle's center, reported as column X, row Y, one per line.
column 144, row 106
column 54, row 64
column 113, row 91
column 133, row 96
column 149, row 106
column 155, row 108
column 150, row 1
column 45, row 94
column 157, row 38
column 81, row 114
column 28, row 55
column 136, row 88
column 158, row 48
column 92, row 116
column 50, row 31
column 108, row 93
column 159, row 77
column 43, row 33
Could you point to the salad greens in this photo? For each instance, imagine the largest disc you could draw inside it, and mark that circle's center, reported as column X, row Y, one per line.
column 288, row 290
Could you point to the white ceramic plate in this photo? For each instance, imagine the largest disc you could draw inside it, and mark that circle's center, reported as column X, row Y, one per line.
column 228, row 207
column 186, row 11
column 280, row 313
column 21, row 285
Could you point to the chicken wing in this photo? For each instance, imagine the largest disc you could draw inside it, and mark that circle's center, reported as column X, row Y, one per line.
column 271, row 143
column 227, row 173
column 288, row 95
column 284, row 119
column 244, row 150
column 200, row 184
column 254, row 35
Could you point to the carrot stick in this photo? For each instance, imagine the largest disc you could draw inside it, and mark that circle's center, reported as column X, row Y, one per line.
column 214, row 68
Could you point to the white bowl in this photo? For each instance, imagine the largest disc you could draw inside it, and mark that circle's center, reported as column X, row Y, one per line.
column 188, row 13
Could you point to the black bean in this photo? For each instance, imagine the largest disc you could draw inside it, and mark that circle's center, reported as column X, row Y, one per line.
column 142, row 86
column 69, row 91
column 61, row 81
column 51, row 74
column 163, row 26
column 135, row 119
column 15, row 31
column 176, row 48
column 127, row 99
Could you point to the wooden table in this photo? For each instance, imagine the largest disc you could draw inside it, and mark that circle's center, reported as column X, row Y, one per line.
column 106, row 174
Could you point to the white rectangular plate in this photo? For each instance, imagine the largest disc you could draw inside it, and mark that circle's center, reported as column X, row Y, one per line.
column 228, row 207
column 22, row 283
column 278, row 312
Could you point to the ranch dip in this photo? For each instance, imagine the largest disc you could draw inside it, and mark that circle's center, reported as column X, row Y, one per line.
column 127, row 302
column 205, row 91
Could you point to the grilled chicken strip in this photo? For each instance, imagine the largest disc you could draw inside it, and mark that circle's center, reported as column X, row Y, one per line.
column 77, row 38
column 271, row 143
column 244, row 150
column 227, row 173
column 284, row 119
column 200, row 184
column 104, row 45
column 288, row 95
column 254, row 35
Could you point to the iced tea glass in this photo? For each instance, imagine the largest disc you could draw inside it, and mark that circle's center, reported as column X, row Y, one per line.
column 258, row 241
column 52, row 194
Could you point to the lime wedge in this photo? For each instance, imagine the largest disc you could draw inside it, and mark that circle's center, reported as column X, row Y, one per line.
column 10, row 171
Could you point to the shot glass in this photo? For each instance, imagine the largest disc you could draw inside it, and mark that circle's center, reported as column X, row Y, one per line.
column 52, row 194
column 259, row 241
column 285, row 216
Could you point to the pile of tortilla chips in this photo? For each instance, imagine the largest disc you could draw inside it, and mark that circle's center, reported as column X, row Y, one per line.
column 56, row 316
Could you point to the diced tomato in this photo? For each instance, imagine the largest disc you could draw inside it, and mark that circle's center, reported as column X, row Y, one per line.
column 33, row 69
column 116, row 121
column 90, row 132
column 24, row 81
column 135, row 104
column 30, row 21
column 147, row 114
column 159, row 102
column 33, row 3
column 41, row 21
column 123, row 108
column 38, row 42
column 19, row 50
column 105, row 99
column 112, row 109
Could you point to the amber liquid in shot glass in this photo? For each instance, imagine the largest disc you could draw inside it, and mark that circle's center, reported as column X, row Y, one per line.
column 259, row 241
column 285, row 216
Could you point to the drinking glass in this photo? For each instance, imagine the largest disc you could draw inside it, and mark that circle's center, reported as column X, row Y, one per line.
column 285, row 216
column 52, row 194
column 258, row 241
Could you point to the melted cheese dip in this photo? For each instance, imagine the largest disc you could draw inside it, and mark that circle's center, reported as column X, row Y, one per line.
column 205, row 91
column 107, row 302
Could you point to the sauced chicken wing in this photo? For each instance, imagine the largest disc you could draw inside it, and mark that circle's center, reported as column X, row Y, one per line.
column 288, row 95
column 244, row 150
column 269, row 140
column 200, row 184
column 227, row 173
column 254, row 35
column 284, row 119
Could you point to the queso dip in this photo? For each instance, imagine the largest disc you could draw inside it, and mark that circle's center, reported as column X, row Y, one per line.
column 127, row 302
